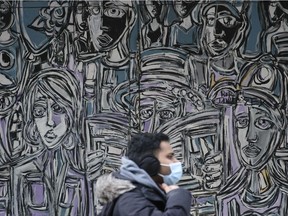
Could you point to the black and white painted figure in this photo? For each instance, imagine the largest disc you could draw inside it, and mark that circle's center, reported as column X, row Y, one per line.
column 197, row 144
column 11, row 57
column 223, row 30
column 260, row 121
column 154, row 33
column 49, row 178
column 82, row 35
column 274, row 38
column 185, row 33
column 14, row 71
column 110, row 23
column 107, row 135
column 162, row 92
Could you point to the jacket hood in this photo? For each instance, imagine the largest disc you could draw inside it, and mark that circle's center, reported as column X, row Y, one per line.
column 131, row 171
column 109, row 187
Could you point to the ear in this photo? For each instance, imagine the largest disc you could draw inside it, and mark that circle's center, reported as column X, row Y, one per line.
column 150, row 164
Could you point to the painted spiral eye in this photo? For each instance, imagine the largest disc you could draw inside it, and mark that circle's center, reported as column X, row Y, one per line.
column 6, row 60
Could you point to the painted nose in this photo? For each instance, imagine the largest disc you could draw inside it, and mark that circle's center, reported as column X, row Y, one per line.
column 50, row 121
column 252, row 136
column 218, row 31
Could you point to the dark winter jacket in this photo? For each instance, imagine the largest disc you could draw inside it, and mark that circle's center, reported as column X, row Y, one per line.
column 132, row 192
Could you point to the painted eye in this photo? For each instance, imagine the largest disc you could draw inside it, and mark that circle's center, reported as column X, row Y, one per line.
column 6, row 60
column 39, row 111
column 210, row 20
column 263, row 123
column 114, row 12
column 80, row 8
column 242, row 122
column 58, row 109
column 228, row 21
column 95, row 10
column 146, row 114
column 166, row 114
column 4, row 9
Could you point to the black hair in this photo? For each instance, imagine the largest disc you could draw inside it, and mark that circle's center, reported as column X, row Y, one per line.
column 144, row 144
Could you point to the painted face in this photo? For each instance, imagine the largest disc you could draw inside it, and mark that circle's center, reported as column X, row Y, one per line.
column 156, row 111
column 107, row 22
column 154, row 8
column 6, row 16
column 51, row 120
column 220, row 30
column 184, row 8
column 272, row 11
column 81, row 16
column 257, row 135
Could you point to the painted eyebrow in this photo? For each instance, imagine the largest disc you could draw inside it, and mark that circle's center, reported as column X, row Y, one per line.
column 241, row 115
column 260, row 112
column 41, row 98
column 225, row 13
column 263, row 112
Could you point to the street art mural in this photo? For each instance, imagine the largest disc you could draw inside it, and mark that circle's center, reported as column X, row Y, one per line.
column 79, row 77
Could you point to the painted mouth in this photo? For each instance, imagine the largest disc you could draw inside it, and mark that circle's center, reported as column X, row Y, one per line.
column 50, row 136
column 251, row 151
column 183, row 10
column 104, row 39
column 218, row 44
column 84, row 26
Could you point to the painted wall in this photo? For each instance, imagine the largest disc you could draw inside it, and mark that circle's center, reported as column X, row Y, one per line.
column 77, row 78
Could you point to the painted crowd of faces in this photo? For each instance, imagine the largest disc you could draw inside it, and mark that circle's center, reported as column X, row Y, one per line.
column 78, row 78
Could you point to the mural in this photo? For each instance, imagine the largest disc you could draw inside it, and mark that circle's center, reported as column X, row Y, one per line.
column 79, row 77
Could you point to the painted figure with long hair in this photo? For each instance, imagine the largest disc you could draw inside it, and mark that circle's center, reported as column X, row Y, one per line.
column 49, row 178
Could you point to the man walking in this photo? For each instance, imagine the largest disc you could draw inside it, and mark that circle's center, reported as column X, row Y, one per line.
column 145, row 184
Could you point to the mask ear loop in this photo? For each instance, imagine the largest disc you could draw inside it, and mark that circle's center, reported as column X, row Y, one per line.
column 171, row 172
column 165, row 165
column 168, row 165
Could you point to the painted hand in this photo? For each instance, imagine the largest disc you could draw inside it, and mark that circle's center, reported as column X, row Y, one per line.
column 212, row 170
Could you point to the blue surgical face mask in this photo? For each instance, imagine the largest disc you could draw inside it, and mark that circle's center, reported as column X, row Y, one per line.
column 175, row 175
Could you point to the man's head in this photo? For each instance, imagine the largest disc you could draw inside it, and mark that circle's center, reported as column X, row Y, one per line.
column 150, row 152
